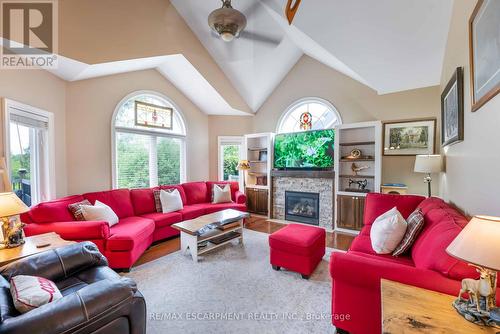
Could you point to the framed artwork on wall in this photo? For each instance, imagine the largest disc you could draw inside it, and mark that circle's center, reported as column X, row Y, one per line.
column 484, row 31
column 409, row 137
column 452, row 109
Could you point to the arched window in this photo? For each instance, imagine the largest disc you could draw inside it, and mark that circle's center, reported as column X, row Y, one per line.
column 149, row 142
column 309, row 114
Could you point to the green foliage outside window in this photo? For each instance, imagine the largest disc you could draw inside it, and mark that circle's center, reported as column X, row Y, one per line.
column 231, row 157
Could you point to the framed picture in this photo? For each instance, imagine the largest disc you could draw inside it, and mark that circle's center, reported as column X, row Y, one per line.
column 153, row 116
column 452, row 109
column 410, row 137
column 484, row 30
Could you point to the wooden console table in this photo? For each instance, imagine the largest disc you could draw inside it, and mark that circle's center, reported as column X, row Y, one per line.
column 52, row 240
column 408, row 309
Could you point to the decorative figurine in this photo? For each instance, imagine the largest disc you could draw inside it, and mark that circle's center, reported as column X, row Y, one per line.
column 356, row 169
column 361, row 184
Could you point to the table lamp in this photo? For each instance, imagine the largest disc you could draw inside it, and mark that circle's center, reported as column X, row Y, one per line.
column 479, row 245
column 243, row 165
column 11, row 205
column 428, row 164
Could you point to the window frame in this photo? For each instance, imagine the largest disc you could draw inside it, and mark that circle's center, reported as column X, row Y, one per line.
column 229, row 140
column 306, row 100
column 152, row 133
column 24, row 109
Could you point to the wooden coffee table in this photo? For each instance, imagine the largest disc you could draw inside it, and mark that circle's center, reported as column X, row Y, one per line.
column 208, row 232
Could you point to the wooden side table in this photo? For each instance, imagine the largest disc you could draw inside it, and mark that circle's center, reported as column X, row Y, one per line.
column 408, row 309
column 52, row 240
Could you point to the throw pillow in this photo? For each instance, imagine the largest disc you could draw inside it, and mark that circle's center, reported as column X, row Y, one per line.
column 221, row 194
column 156, row 194
column 76, row 209
column 30, row 292
column 415, row 226
column 170, row 201
column 387, row 231
column 100, row 212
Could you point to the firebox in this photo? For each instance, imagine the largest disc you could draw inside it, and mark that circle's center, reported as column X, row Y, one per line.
column 302, row 207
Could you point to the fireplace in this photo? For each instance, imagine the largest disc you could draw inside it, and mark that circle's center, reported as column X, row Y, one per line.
column 302, row 207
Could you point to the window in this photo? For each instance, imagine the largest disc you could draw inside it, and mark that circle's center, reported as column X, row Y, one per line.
column 309, row 114
column 147, row 156
column 230, row 153
column 29, row 152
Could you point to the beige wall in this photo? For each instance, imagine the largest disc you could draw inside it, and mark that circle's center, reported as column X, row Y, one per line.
column 471, row 179
column 224, row 126
column 45, row 91
column 356, row 103
column 90, row 106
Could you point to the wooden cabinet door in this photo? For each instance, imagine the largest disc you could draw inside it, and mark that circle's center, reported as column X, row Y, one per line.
column 350, row 212
column 251, row 199
column 262, row 198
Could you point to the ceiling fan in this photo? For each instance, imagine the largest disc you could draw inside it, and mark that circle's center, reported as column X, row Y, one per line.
column 229, row 23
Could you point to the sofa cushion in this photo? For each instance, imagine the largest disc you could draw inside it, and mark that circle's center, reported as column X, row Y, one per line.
column 164, row 219
column 76, row 209
column 211, row 208
column 210, row 189
column 143, row 201
column 377, row 204
column 129, row 232
column 405, row 260
column 442, row 225
column 30, row 292
column 196, row 192
column 415, row 225
column 100, row 212
column 54, row 211
column 387, row 231
column 193, row 211
column 297, row 239
column 178, row 187
column 118, row 200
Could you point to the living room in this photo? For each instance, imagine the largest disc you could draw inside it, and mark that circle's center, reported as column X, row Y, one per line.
column 256, row 166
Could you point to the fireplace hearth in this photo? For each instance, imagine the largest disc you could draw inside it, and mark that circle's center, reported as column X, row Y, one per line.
column 302, row 207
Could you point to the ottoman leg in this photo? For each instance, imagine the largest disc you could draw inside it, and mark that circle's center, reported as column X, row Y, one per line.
column 277, row 268
column 305, row 276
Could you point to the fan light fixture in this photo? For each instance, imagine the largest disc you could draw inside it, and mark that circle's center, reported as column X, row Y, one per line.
column 227, row 22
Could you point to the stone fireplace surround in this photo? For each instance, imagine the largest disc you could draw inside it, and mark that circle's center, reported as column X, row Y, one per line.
column 321, row 182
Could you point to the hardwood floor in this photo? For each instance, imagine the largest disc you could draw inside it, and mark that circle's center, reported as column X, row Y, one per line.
column 335, row 240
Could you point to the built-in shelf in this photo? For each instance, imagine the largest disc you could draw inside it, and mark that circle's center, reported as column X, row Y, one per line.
column 360, row 143
column 313, row 174
column 258, row 161
column 356, row 160
column 257, row 149
column 358, row 176
column 256, row 186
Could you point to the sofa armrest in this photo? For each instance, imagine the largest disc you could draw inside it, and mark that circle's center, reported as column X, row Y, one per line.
column 76, row 310
column 75, row 230
column 57, row 263
column 367, row 272
column 240, row 197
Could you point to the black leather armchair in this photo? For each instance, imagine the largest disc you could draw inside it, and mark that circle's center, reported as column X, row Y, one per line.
column 95, row 298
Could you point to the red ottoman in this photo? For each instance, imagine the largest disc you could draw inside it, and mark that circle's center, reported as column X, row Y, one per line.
column 297, row 248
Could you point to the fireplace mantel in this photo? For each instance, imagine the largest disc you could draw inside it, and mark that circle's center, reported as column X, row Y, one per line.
column 309, row 174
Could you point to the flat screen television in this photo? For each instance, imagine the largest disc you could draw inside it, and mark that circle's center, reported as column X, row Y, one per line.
column 304, row 150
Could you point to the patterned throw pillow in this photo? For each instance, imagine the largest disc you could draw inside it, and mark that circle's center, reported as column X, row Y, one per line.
column 30, row 292
column 156, row 194
column 76, row 209
column 415, row 225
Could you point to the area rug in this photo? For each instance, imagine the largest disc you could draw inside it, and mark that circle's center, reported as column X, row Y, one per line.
column 233, row 290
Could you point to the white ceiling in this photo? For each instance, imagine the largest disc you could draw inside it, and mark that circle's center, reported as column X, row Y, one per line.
column 388, row 45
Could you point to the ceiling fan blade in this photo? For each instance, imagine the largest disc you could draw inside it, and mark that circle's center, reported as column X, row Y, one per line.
column 260, row 38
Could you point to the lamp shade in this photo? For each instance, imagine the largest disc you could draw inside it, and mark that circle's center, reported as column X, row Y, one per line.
column 244, row 165
column 478, row 243
column 11, row 205
column 428, row 163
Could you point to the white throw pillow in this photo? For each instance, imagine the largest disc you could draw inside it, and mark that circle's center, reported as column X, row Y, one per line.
column 221, row 194
column 100, row 212
column 30, row 292
column 387, row 231
column 170, row 201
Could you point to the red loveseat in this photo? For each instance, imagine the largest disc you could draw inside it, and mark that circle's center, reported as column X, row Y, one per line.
column 356, row 274
column 139, row 225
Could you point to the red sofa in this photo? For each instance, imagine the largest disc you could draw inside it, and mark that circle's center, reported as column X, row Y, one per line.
column 139, row 226
column 356, row 275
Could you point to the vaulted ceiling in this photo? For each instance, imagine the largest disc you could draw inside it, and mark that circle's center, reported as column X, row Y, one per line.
column 388, row 45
